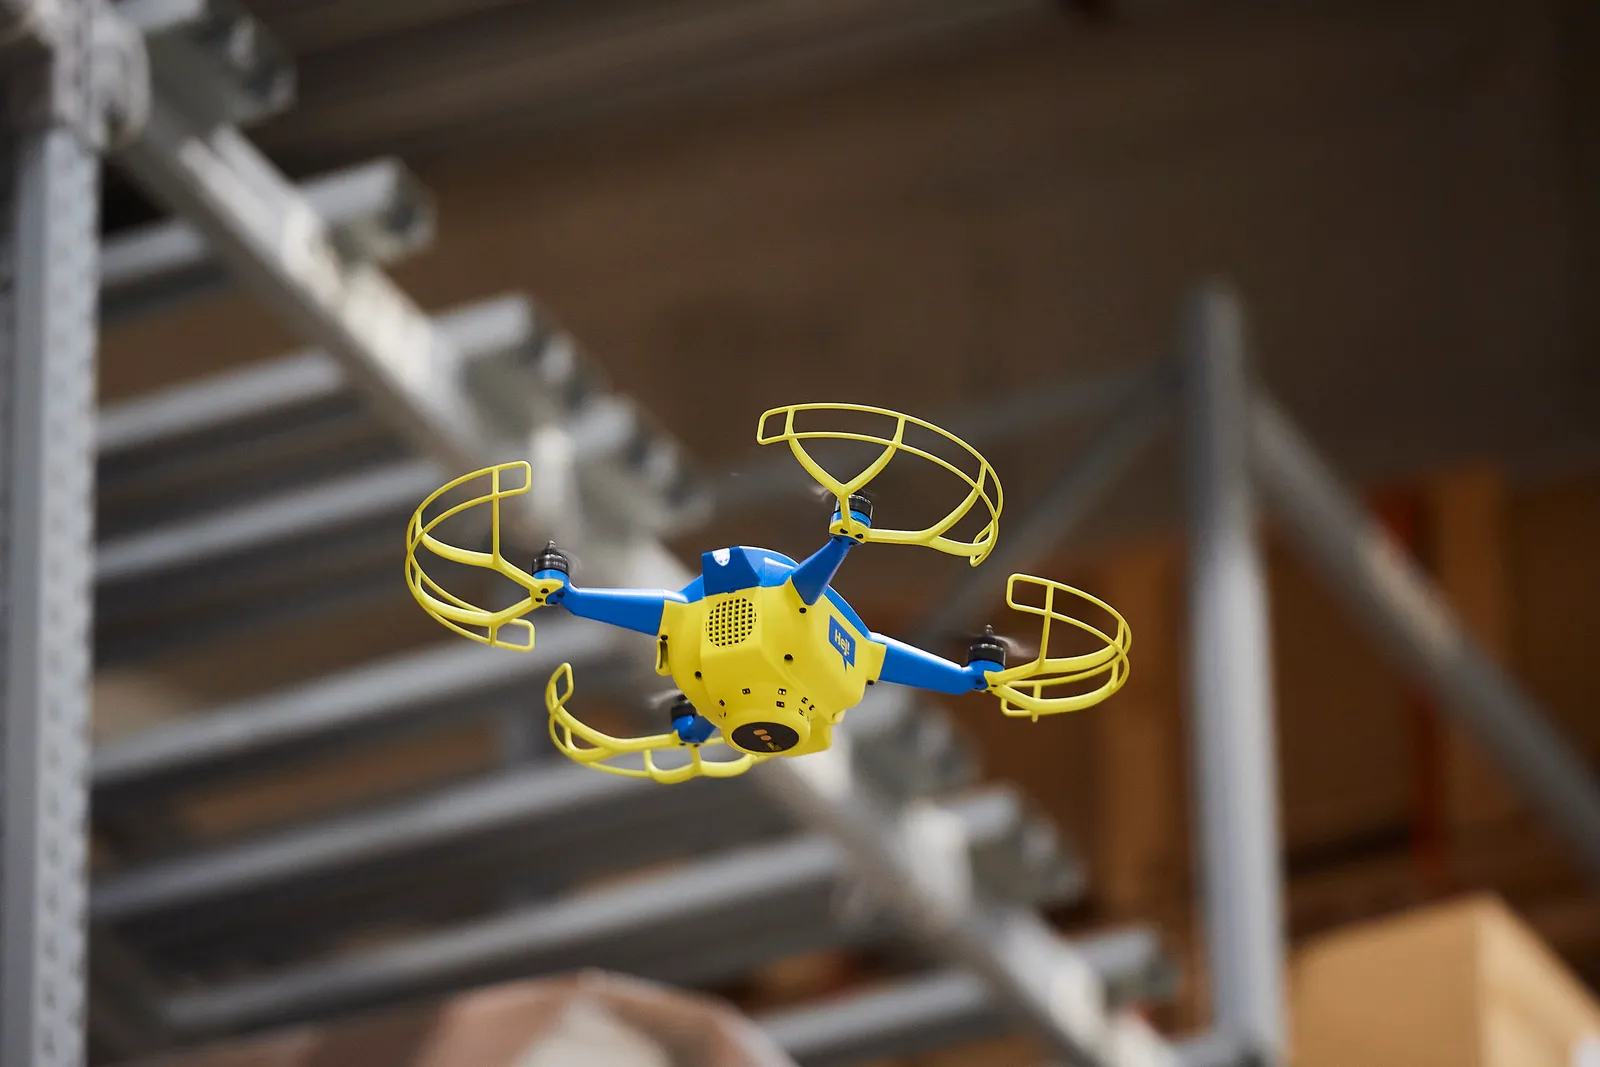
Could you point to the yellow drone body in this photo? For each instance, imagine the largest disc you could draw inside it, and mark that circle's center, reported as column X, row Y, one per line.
column 772, row 673
column 767, row 656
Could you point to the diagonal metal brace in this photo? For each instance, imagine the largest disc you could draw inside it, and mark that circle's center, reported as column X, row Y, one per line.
column 1385, row 587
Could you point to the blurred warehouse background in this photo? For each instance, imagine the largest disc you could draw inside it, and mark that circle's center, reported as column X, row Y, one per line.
column 635, row 225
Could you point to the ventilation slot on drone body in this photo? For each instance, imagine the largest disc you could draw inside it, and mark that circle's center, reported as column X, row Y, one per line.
column 730, row 622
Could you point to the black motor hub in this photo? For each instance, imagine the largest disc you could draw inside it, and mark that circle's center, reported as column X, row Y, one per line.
column 986, row 647
column 552, row 559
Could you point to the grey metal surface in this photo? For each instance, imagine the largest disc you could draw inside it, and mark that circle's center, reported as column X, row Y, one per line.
column 307, row 512
column 481, row 830
column 234, row 437
column 750, row 878
column 1235, row 770
column 48, row 242
column 907, row 746
column 924, row 880
column 376, row 210
column 1212, row 1050
column 260, row 496
column 911, row 1016
column 1384, row 587
column 735, row 890
column 520, row 797
column 548, row 825
column 449, row 675
column 281, row 249
column 290, row 387
column 939, row 1009
column 491, row 867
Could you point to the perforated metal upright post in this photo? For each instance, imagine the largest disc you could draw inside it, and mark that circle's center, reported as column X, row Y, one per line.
column 1231, row 691
column 49, row 176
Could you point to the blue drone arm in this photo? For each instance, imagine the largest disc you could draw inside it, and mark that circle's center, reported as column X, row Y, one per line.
column 812, row 576
column 814, row 573
column 906, row 664
column 630, row 609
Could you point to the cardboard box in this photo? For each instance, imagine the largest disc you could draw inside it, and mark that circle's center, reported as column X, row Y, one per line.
column 588, row 1020
column 1463, row 984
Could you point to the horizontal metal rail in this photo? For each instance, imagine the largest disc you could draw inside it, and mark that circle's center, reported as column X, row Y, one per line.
column 937, row 1010
column 376, row 210
column 747, row 881
column 281, row 389
column 1375, row 577
column 444, row 676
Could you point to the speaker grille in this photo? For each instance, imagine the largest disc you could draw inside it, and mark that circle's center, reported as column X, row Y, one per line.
column 730, row 622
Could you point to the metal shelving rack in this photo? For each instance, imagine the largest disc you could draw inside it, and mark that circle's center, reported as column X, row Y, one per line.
column 859, row 845
column 390, row 398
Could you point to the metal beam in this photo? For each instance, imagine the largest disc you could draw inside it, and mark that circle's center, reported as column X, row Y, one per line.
column 277, row 245
column 288, row 388
column 299, row 513
column 1384, row 587
column 236, row 437
column 748, row 882
column 1231, row 690
column 281, row 249
column 49, row 204
column 1212, row 1050
column 500, row 864
column 943, row 1008
column 519, row 797
column 376, row 211
column 385, row 491
column 360, row 699
column 538, row 802
column 750, row 878
column 934, row 1011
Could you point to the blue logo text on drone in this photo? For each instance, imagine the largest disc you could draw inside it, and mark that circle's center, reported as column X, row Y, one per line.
column 840, row 639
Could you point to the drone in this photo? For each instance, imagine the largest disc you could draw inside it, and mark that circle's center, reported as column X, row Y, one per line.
column 766, row 656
